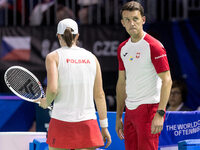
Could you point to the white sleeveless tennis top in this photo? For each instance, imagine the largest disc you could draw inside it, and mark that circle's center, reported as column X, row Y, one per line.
column 76, row 74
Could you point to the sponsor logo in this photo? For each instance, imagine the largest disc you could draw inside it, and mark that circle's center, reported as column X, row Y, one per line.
column 78, row 61
column 28, row 87
column 163, row 55
column 125, row 54
column 131, row 58
column 138, row 55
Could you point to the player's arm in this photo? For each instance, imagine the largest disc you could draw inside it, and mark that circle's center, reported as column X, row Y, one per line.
column 165, row 89
column 52, row 76
column 121, row 93
column 120, row 96
column 157, row 122
column 99, row 95
column 100, row 101
column 52, row 80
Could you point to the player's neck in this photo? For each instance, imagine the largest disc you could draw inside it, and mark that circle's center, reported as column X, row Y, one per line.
column 138, row 37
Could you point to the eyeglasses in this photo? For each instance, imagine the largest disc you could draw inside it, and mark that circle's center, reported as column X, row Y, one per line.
column 175, row 93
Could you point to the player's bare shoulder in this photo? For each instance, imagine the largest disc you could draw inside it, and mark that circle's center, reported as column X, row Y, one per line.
column 52, row 56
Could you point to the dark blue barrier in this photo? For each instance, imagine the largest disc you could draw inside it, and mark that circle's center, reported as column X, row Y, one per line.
column 191, row 144
column 16, row 114
column 117, row 144
column 180, row 126
column 38, row 144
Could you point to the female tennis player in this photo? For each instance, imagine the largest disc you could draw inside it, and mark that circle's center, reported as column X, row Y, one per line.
column 73, row 80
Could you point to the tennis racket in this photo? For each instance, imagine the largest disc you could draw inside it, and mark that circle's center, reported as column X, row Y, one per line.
column 23, row 83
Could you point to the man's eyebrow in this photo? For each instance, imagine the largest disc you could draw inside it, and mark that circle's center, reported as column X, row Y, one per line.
column 131, row 17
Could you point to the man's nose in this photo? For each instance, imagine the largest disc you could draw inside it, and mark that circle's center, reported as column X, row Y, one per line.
column 132, row 22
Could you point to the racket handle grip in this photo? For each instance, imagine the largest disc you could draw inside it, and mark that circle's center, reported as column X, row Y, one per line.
column 49, row 107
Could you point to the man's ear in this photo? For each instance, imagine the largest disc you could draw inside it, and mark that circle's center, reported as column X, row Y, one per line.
column 122, row 22
column 144, row 19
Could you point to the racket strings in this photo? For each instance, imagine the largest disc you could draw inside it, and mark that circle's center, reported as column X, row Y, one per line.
column 23, row 83
column 10, row 74
column 25, row 87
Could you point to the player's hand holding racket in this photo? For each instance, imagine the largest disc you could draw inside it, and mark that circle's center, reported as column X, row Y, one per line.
column 25, row 85
column 42, row 102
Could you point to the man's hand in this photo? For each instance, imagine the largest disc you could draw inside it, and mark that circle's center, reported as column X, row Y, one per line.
column 106, row 136
column 157, row 124
column 119, row 128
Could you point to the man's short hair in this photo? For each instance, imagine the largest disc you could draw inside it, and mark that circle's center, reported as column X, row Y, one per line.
column 131, row 6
